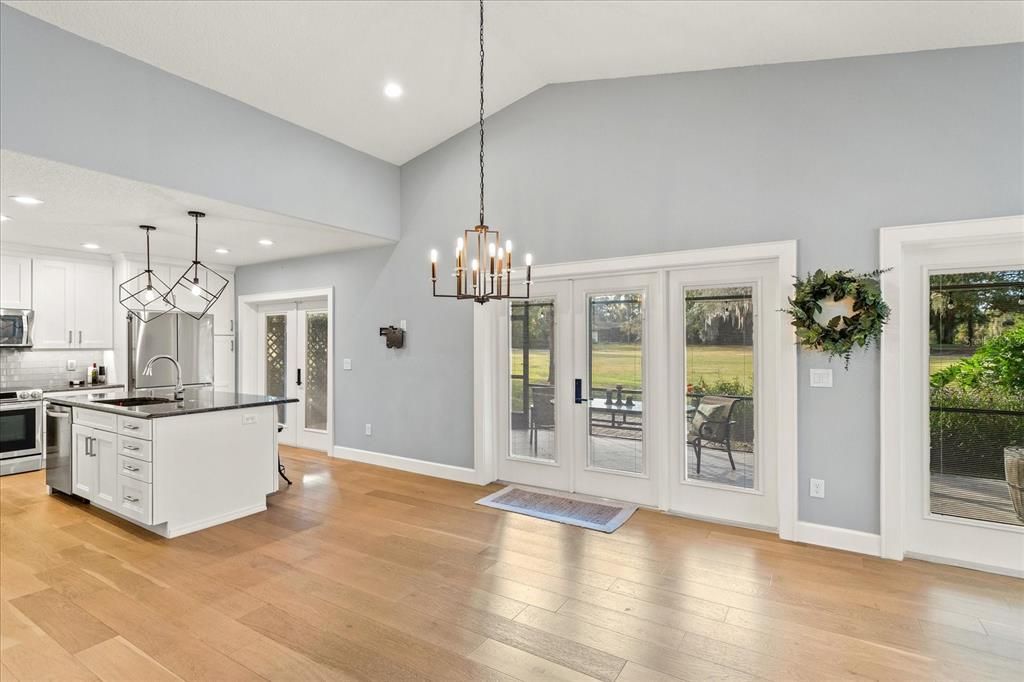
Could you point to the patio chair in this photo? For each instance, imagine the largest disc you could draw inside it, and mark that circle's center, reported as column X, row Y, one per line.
column 542, row 411
column 712, row 423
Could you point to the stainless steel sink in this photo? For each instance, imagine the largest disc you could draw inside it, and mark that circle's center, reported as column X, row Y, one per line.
column 135, row 402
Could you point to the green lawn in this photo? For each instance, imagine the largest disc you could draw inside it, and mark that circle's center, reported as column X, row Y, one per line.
column 620, row 363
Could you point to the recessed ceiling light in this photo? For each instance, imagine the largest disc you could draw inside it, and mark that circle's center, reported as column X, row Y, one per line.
column 222, row 250
column 90, row 245
column 3, row 219
column 393, row 90
column 266, row 242
column 26, row 200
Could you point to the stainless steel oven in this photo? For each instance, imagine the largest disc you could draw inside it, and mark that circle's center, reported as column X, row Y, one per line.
column 16, row 328
column 21, row 431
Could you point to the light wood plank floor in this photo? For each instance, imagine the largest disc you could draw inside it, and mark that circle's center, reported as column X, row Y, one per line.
column 357, row 572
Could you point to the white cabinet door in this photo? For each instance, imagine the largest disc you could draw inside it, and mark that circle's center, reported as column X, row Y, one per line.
column 53, row 296
column 104, row 450
column 223, row 310
column 224, row 363
column 84, row 467
column 94, row 306
column 15, row 282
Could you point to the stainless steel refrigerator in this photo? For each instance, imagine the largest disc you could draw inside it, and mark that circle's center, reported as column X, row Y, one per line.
column 181, row 336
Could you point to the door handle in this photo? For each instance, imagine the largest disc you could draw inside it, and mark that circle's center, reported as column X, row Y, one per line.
column 298, row 377
column 578, row 386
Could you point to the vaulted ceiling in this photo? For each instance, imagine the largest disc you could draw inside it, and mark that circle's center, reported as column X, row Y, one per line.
column 323, row 65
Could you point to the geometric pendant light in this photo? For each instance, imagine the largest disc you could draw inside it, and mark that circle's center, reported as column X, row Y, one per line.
column 145, row 295
column 199, row 287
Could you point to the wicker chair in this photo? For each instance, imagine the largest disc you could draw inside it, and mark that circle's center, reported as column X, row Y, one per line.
column 712, row 424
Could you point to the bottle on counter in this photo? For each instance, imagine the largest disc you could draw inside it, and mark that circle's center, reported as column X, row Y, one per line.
column 92, row 374
column 101, row 377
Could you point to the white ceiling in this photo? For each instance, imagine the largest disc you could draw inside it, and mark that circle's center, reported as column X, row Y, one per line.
column 85, row 206
column 323, row 65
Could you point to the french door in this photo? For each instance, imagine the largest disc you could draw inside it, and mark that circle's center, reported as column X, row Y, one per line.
column 723, row 335
column 960, row 330
column 295, row 362
column 579, row 412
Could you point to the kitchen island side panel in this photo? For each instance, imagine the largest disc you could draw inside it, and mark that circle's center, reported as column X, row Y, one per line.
column 212, row 467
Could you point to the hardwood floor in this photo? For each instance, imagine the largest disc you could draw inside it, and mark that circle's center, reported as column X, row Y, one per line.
column 357, row 572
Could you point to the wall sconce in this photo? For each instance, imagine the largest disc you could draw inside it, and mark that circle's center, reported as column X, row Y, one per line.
column 395, row 337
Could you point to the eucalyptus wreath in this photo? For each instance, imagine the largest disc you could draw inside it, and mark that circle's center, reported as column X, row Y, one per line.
column 841, row 333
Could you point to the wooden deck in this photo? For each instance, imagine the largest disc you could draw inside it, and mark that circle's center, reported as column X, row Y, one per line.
column 362, row 573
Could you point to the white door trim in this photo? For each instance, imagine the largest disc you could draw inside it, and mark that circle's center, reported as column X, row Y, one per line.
column 248, row 342
column 783, row 253
column 896, row 352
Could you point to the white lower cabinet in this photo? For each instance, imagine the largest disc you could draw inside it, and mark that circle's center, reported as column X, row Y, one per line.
column 104, row 474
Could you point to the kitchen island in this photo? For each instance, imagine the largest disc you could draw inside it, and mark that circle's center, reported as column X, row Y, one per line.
column 174, row 466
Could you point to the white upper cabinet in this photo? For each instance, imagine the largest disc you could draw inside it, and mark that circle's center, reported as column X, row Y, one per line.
column 15, row 282
column 53, row 288
column 73, row 303
column 94, row 306
column 223, row 310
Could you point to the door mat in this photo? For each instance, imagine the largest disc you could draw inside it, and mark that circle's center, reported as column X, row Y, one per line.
column 576, row 510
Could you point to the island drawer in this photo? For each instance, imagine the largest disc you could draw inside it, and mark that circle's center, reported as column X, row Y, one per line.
column 95, row 419
column 134, row 499
column 134, row 468
column 135, row 447
column 137, row 428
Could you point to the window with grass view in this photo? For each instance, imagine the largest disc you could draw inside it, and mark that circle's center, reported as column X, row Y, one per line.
column 719, row 350
column 976, row 411
column 532, row 379
column 616, row 327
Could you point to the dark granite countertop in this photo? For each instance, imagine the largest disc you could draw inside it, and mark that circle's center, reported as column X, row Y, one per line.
column 91, row 388
column 197, row 400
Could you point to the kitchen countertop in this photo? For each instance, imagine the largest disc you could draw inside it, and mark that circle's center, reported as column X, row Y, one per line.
column 92, row 388
column 197, row 400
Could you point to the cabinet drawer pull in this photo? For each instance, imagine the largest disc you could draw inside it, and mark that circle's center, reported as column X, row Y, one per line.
column 129, row 467
column 130, row 498
column 69, row 337
column 133, row 448
column 79, row 337
column 131, row 427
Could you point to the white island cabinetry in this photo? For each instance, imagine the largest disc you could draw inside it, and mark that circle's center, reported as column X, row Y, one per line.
column 176, row 474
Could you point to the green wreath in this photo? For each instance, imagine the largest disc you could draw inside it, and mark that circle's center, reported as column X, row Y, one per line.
column 837, row 337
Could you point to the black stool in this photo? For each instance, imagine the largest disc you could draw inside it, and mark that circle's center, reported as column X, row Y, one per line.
column 280, row 467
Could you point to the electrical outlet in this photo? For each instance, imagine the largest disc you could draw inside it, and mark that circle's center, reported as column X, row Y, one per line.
column 817, row 487
column 369, row 430
column 72, row 365
column 821, row 378
column 248, row 419
column 346, row 364
column 403, row 326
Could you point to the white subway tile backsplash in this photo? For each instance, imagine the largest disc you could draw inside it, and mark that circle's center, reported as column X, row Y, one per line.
column 44, row 369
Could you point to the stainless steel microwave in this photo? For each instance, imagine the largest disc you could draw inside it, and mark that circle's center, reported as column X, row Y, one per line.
column 15, row 328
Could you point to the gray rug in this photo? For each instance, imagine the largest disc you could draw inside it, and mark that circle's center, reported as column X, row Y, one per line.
column 577, row 510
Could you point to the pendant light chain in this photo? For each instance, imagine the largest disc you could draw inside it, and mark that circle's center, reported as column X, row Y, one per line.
column 482, row 112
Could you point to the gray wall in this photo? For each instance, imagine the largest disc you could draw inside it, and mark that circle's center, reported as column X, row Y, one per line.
column 823, row 152
column 67, row 99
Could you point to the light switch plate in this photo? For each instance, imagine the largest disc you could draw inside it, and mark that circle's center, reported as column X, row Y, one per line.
column 821, row 378
column 347, row 364
column 817, row 487
column 369, row 430
column 72, row 365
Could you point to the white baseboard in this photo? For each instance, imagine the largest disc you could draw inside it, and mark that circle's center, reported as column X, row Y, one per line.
column 974, row 566
column 415, row 466
column 839, row 538
column 185, row 529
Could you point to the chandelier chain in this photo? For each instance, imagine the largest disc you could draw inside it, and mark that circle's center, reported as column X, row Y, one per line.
column 481, row 112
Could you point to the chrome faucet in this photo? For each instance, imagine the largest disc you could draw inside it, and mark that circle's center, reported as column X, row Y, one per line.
column 179, row 390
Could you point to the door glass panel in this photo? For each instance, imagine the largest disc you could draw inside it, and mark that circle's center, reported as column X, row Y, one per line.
column 976, row 411
column 276, row 352
column 615, row 326
column 315, row 380
column 719, row 365
column 532, row 380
